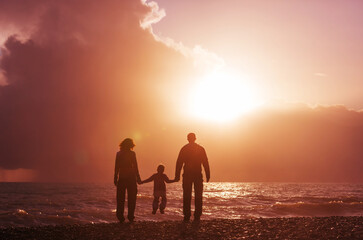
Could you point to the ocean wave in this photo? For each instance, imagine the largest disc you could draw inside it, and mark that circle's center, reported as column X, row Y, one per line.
column 331, row 208
column 42, row 204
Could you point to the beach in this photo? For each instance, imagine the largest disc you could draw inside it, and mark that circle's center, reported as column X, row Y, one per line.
column 251, row 228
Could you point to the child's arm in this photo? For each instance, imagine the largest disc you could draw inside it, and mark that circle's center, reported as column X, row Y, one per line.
column 150, row 179
column 167, row 180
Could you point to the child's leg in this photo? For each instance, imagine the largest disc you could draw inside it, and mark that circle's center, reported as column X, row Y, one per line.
column 163, row 203
column 155, row 203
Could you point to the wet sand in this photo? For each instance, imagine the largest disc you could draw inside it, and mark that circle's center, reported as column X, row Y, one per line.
column 252, row 228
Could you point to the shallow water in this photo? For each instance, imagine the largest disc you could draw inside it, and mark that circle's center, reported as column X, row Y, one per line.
column 33, row 204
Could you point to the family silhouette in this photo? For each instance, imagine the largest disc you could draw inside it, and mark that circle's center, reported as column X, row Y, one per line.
column 191, row 158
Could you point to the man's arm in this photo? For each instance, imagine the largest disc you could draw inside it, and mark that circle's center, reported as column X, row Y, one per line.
column 117, row 168
column 179, row 165
column 206, row 165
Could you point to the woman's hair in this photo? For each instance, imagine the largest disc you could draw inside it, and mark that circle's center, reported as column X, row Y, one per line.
column 127, row 144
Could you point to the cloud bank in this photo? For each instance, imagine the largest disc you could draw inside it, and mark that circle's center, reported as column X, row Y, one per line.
column 83, row 74
column 296, row 143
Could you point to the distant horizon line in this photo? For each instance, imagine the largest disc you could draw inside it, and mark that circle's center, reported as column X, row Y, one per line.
column 279, row 182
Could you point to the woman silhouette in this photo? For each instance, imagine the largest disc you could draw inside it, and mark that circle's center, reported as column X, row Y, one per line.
column 126, row 176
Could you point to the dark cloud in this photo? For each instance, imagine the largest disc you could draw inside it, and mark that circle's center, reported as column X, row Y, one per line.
column 81, row 80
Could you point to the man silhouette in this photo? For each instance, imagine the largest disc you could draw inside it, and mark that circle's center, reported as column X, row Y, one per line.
column 192, row 156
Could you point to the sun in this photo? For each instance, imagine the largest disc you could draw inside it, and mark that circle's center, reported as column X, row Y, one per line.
column 222, row 97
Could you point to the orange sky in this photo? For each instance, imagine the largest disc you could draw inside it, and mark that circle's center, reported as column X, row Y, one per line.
column 78, row 78
column 294, row 50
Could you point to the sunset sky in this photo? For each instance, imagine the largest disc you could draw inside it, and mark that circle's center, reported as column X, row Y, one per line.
column 272, row 89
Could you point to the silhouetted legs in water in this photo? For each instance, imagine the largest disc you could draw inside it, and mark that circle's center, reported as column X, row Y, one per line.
column 162, row 205
column 130, row 186
column 187, row 196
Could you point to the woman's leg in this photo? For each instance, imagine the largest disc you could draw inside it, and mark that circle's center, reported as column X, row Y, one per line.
column 131, row 199
column 120, row 197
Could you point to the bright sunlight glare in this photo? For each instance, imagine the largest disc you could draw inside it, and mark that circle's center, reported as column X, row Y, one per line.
column 222, row 97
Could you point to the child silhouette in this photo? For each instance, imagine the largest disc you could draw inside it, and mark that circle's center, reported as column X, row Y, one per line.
column 159, row 179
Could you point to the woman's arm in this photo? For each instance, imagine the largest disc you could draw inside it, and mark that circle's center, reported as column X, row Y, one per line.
column 138, row 179
column 117, row 168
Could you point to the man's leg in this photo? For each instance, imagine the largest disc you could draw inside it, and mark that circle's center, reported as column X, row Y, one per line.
column 131, row 199
column 187, row 196
column 120, row 197
column 198, row 191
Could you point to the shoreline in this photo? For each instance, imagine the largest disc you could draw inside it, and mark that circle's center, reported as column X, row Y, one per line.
column 251, row 228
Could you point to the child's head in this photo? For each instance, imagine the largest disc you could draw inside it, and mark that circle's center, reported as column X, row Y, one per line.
column 160, row 168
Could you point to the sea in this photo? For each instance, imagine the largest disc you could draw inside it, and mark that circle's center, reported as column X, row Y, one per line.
column 36, row 204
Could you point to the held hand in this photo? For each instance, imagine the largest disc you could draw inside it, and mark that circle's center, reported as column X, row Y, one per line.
column 139, row 181
column 207, row 179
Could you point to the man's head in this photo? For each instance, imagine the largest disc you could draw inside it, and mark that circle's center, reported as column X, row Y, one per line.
column 191, row 137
